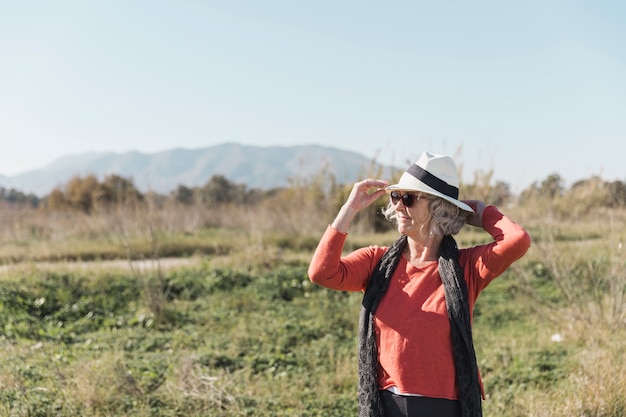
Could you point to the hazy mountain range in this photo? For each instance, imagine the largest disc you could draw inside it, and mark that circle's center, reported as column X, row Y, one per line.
column 255, row 166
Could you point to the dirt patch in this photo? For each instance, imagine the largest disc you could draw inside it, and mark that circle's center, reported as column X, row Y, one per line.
column 117, row 265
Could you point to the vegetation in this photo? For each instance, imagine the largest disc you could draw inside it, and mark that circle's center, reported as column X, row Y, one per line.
column 115, row 302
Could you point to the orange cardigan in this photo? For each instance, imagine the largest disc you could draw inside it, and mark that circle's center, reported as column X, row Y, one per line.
column 411, row 322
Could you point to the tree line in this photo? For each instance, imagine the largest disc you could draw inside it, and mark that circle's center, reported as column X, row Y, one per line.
column 88, row 193
column 13, row 196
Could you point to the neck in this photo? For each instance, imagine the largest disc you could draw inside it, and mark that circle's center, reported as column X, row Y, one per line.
column 424, row 250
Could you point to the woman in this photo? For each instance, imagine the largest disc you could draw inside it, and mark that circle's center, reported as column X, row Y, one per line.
column 416, row 354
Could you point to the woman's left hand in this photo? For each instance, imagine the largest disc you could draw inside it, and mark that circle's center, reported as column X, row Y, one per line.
column 475, row 219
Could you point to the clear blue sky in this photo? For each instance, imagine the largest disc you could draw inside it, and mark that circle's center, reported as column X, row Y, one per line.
column 525, row 89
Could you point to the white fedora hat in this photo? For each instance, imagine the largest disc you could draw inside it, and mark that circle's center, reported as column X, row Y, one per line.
column 435, row 175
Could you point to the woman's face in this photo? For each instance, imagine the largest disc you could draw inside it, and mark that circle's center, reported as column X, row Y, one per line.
column 412, row 212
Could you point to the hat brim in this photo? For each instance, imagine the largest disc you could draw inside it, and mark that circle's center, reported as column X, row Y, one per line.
column 423, row 188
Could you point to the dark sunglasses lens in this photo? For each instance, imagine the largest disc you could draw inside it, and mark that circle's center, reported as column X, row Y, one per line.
column 407, row 199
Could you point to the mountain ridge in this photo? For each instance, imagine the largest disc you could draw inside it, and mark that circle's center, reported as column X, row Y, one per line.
column 262, row 167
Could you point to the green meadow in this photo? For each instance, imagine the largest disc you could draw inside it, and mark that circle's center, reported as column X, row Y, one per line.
column 196, row 307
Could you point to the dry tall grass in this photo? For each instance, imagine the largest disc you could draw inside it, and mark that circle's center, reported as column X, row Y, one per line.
column 575, row 276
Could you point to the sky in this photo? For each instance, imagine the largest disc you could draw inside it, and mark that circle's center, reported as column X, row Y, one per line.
column 523, row 90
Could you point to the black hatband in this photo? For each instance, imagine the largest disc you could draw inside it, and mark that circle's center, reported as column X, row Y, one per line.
column 433, row 182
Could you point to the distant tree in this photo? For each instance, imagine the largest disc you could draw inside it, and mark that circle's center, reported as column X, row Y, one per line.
column 582, row 197
column 80, row 192
column 14, row 196
column 548, row 189
column 87, row 193
column 254, row 195
column 184, row 195
column 552, row 186
column 616, row 194
column 116, row 190
column 56, row 200
column 219, row 190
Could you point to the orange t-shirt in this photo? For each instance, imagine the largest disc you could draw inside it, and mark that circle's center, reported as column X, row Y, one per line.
column 411, row 321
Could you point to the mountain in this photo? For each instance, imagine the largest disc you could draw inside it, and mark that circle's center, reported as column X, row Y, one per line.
column 255, row 166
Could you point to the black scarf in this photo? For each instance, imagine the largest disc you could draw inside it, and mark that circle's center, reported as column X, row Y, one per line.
column 461, row 332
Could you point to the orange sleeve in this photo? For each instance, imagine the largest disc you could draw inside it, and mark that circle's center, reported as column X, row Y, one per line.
column 488, row 261
column 348, row 273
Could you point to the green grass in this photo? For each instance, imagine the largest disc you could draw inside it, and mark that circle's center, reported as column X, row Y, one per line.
column 230, row 343
column 247, row 342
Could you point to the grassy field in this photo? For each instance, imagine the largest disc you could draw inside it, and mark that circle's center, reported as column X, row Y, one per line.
column 236, row 328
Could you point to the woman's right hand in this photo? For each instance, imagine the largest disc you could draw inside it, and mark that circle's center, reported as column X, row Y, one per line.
column 365, row 192
column 362, row 195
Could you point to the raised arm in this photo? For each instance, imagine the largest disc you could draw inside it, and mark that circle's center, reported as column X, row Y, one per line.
column 363, row 194
column 350, row 273
column 510, row 242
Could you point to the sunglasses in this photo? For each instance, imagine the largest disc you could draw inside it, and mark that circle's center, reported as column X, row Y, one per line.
column 407, row 199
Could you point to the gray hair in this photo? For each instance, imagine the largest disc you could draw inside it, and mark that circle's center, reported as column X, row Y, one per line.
column 445, row 217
